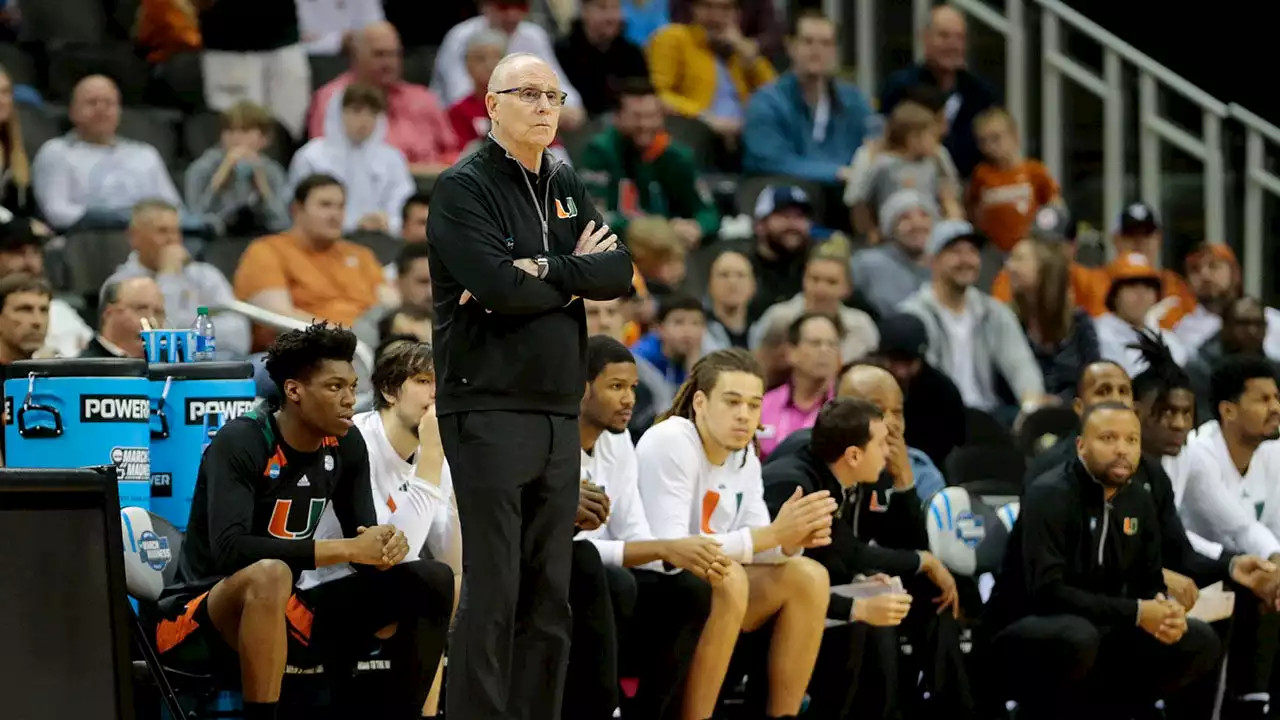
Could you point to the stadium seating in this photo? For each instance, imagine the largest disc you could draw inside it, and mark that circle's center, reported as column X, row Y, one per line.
column 1044, row 427
column 151, row 549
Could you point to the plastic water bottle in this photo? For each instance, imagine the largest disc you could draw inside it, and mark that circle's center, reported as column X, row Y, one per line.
column 206, row 344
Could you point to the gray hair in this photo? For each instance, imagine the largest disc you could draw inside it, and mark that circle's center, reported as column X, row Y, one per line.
column 487, row 38
column 148, row 205
column 500, row 70
column 109, row 294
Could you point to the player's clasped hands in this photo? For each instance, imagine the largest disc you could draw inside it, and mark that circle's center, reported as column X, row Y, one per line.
column 382, row 546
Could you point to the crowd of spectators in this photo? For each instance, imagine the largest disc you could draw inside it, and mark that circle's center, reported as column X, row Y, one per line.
column 769, row 204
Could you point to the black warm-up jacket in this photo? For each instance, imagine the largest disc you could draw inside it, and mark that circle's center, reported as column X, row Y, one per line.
column 894, row 520
column 520, row 344
column 1175, row 548
column 1074, row 553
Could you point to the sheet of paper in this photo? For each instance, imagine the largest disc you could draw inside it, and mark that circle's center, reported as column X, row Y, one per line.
column 1213, row 604
column 868, row 588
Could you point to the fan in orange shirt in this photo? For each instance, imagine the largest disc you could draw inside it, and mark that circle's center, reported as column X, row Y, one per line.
column 1006, row 189
column 1052, row 224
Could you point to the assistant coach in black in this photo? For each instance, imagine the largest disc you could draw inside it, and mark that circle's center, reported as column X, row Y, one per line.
column 515, row 242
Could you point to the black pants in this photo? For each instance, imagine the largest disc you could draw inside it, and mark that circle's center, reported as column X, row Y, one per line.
column 600, row 598
column 854, row 676
column 933, row 675
column 1063, row 666
column 659, row 641
column 417, row 597
column 630, row 623
column 515, row 476
column 1255, row 638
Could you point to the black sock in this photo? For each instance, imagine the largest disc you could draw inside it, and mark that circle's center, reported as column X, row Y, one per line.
column 260, row 711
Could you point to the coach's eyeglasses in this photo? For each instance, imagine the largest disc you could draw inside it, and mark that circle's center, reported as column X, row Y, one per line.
column 530, row 95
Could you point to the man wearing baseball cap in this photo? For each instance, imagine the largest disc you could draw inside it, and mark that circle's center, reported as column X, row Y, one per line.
column 1053, row 225
column 932, row 409
column 22, row 251
column 784, row 227
column 1138, row 230
column 973, row 336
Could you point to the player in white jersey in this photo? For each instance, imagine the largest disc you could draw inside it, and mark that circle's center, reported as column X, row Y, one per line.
column 699, row 475
column 1211, row 501
column 410, row 482
column 659, row 624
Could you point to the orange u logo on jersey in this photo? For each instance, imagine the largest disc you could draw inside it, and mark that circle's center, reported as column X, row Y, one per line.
column 566, row 209
column 279, row 524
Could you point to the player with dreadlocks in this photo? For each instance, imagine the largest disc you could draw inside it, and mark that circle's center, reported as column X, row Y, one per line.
column 263, row 484
column 700, row 474
column 1218, row 530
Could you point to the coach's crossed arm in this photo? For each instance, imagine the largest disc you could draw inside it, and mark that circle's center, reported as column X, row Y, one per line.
column 471, row 246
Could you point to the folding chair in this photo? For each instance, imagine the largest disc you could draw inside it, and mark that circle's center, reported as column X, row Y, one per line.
column 987, row 470
column 385, row 247
column 1044, row 427
column 151, row 549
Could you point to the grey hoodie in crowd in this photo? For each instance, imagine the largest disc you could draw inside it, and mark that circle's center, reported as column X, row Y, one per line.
column 885, row 274
column 999, row 345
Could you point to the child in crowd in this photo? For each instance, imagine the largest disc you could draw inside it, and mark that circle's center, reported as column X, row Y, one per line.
column 1006, row 189
column 911, row 156
column 658, row 253
column 234, row 182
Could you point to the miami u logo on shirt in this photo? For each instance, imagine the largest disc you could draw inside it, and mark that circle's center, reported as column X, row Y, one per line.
column 566, row 208
column 280, row 519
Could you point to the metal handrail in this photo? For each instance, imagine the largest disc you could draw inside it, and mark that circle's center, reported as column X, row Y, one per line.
column 1135, row 57
column 364, row 354
column 1257, row 178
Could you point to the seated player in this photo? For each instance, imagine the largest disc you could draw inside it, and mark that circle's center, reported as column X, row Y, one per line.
column 669, row 609
column 262, row 487
column 406, row 464
column 700, row 475
column 847, row 452
column 1081, row 626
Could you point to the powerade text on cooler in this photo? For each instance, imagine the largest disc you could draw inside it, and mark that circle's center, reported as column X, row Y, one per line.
column 78, row 413
column 189, row 403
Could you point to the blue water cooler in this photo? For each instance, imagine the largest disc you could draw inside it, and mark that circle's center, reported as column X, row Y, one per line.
column 80, row 413
column 189, row 402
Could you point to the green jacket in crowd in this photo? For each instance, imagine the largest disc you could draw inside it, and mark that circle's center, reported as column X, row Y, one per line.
column 660, row 181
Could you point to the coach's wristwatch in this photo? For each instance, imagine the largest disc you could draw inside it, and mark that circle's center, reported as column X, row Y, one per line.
column 543, row 266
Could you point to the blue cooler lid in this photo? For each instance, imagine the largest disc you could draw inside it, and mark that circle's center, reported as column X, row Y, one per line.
column 202, row 371
column 78, row 367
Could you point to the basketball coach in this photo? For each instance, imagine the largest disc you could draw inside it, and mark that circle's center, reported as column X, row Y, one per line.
column 515, row 243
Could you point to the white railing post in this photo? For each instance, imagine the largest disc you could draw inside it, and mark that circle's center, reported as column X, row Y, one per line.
column 1215, row 216
column 920, row 10
column 1050, row 97
column 1254, row 159
column 1258, row 183
column 1113, row 137
column 868, row 72
column 1015, row 59
column 1149, row 158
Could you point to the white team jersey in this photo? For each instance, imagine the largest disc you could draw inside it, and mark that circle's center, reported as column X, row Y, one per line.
column 1240, row 512
column 1183, row 470
column 685, row 495
column 611, row 464
column 427, row 514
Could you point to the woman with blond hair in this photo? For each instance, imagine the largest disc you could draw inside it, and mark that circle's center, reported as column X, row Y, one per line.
column 1061, row 335
column 15, row 166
